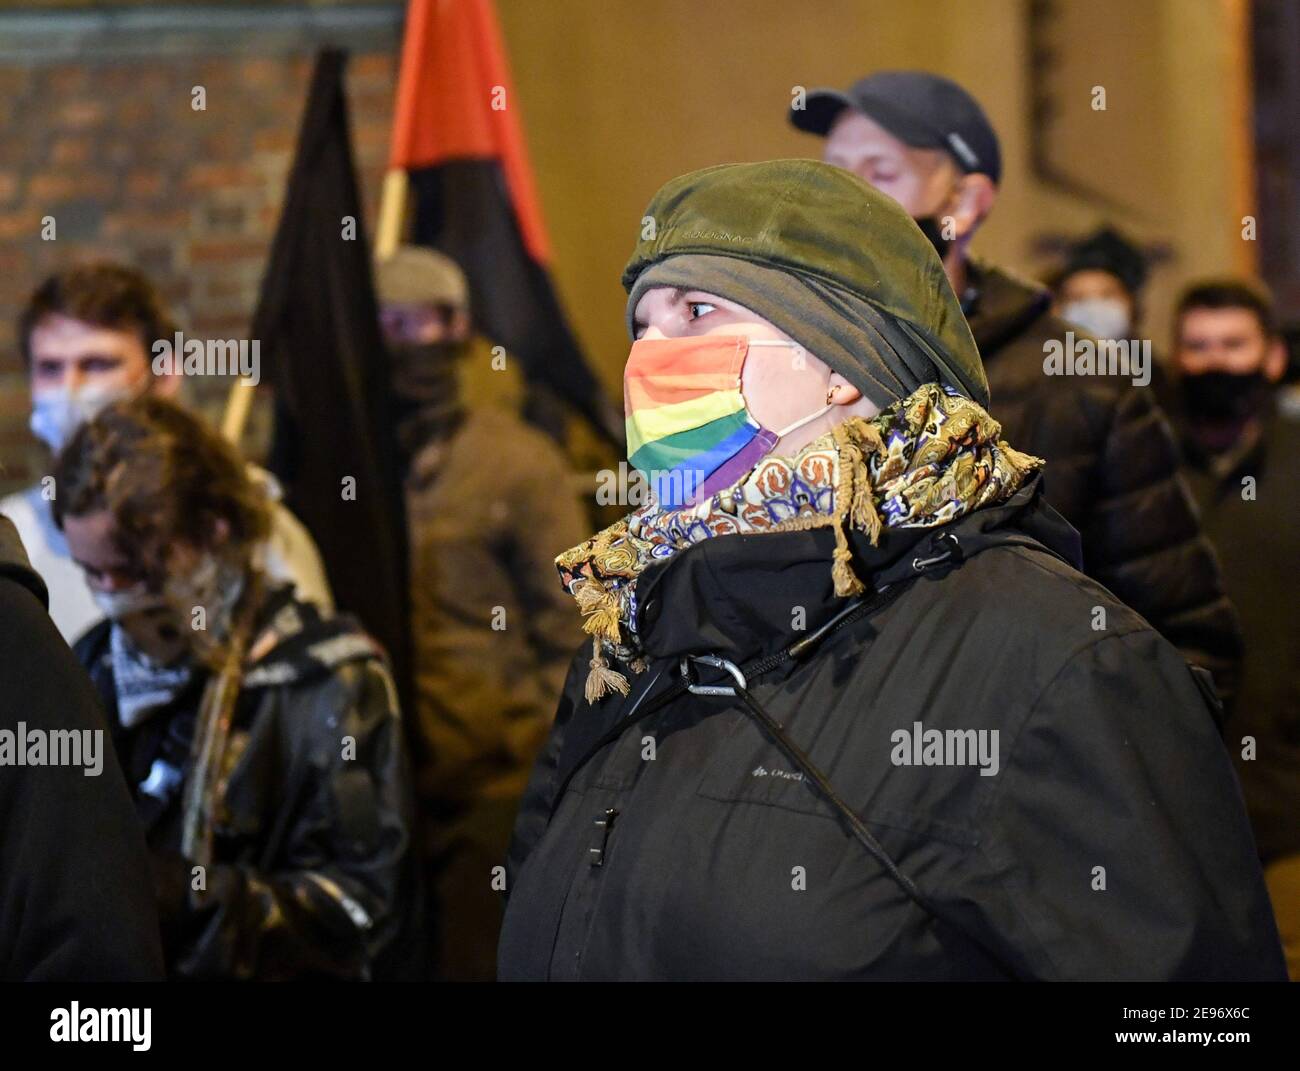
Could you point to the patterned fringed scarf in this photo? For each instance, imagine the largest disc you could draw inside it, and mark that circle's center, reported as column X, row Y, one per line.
column 926, row 460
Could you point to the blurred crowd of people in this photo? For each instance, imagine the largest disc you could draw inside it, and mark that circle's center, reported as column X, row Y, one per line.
column 268, row 815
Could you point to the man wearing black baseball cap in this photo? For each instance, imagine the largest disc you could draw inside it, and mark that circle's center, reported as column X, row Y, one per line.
column 923, row 110
column 1112, row 465
column 921, row 139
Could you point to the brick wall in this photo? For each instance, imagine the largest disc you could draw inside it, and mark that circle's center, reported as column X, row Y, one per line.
column 108, row 144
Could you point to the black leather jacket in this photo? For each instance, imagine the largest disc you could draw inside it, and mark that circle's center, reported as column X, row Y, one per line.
column 312, row 873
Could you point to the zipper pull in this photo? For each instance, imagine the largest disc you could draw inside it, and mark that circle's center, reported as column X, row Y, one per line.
column 604, row 824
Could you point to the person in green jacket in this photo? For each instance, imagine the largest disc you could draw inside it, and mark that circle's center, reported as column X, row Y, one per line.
column 489, row 501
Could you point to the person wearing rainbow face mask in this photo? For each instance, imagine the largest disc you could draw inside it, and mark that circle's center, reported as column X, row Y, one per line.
column 850, row 711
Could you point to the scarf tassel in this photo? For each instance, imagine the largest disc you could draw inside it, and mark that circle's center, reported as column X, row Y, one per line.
column 600, row 612
column 854, row 501
column 599, row 609
column 860, row 445
column 601, row 680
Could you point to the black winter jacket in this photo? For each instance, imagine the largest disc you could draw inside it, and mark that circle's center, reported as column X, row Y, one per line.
column 1112, row 470
column 74, row 874
column 1258, row 531
column 313, row 873
column 677, row 841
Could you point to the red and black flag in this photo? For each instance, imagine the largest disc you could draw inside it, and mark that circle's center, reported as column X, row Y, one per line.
column 318, row 324
column 457, row 134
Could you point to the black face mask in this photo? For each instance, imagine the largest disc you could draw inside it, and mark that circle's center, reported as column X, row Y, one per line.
column 932, row 228
column 1224, row 398
column 425, row 373
column 426, row 392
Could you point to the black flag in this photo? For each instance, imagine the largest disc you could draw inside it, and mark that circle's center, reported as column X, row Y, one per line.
column 318, row 325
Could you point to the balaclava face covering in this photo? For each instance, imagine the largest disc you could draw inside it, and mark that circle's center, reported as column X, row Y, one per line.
column 426, row 391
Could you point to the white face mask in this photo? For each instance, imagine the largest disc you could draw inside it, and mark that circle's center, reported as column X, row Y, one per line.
column 120, row 604
column 1103, row 318
column 57, row 414
column 161, row 626
column 149, row 621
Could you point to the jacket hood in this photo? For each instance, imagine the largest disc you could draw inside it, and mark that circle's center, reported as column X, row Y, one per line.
column 745, row 596
column 1006, row 305
column 14, row 564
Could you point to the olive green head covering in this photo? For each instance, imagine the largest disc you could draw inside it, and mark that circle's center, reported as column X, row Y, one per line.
column 814, row 250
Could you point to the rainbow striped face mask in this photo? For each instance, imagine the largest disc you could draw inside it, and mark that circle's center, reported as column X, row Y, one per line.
column 689, row 431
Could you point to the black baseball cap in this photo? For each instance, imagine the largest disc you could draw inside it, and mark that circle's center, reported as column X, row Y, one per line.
column 920, row 109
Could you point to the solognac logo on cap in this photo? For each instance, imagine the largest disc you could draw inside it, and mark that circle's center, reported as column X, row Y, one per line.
column 711, row 236
column 717, row 236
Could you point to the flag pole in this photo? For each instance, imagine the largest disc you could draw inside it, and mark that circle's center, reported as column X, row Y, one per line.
column 238, row 404
column 392, row 213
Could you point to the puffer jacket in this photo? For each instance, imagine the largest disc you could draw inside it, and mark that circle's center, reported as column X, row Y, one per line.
column 312, row 873
column 675, row 835
column 1112, row 470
